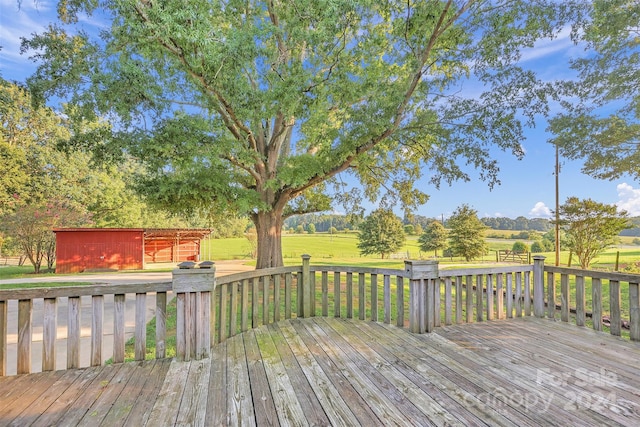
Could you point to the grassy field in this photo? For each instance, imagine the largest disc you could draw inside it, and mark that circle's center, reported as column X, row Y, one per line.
column 341, row 249
column 323, row 247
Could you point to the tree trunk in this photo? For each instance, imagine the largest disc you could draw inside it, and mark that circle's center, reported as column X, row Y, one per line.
column 269, row 231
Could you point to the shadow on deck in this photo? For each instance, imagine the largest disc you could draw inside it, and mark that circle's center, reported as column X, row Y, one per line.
column 328, row 371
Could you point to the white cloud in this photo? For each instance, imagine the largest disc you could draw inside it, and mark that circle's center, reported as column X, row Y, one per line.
column 540, row 210
column 21, row 20
column 544, row 48
column 629, row 199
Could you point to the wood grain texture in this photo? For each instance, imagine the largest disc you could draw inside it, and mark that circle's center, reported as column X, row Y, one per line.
column 25, row 311
column 49, row 333
column 333, row 371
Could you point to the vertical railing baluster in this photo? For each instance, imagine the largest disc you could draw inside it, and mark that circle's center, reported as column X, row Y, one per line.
column 223, row 308
column 436, row 316
column 141, row 326
column 118, row 327
column 244, row 322
column 499, row 296
column 349, row 295
column 596, row 301
column 614, row 308
column 325, row 293
column 97, row 323
column 400, row 301
column 361, row 297
column 161, row 324
column 479, row 298
column 458, row 299
column 374, row 297
column 255, row 303
column 581, row 315
column 509, row 295
column 25, row 312
column 551, row 295
column 233, row 313
column 276, row 297
column 73, row 332
column 266, row 296
column 489, row 284
column 337, row 292
column 469, row 298
column 634, row 311
column 519, row 294
column 448, row 301
column 386, row 290
column 565, row 298
column 3, row 337
column 49, row 334
column 288, row 280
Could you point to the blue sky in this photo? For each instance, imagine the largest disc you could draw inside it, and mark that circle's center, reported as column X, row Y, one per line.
column 527, row 186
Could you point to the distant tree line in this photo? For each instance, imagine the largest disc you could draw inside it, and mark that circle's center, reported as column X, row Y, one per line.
column 322, row 223
column 520, row 223
column 635, row 227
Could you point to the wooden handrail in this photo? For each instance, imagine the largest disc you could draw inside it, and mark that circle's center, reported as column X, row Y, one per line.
column 24, row 298
column 618, row 284
column 210, row 309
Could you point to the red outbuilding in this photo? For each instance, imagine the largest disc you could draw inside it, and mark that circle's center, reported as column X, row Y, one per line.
column 95, row 249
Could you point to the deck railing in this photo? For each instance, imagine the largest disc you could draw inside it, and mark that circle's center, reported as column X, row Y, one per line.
column 210, row 309
column 583, row 294
column 48, row 324
column 419, row 297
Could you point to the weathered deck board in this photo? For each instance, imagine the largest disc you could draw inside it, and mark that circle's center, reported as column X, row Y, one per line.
column 136, row 403
column 334, row 371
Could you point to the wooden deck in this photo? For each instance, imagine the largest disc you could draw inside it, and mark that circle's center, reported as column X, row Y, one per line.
column 326, row 371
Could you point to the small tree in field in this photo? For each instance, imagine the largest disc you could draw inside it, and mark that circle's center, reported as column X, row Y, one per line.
column 32, row 228
column 520, row 247
column 590, row 227
column 433, row 238
column 381, row 233
column 466, row 234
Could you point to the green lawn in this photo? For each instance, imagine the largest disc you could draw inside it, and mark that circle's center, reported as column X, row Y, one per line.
column 326, row 248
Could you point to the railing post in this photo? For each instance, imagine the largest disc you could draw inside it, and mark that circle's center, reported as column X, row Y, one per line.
column 193, row 323
column 304, row 287
column 422, row 287
column 538, row 285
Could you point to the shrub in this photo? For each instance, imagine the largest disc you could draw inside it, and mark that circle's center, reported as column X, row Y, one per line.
column 520, row 247
column 538, row 246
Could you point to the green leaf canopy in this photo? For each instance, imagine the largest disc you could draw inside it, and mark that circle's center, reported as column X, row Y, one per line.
column 255, row 106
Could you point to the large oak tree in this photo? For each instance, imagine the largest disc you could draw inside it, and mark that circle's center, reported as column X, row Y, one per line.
column 258, row 107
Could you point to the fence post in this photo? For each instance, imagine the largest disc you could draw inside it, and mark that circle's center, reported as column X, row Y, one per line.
column 422, row 287
column 304, row 288
column 193, row 288
column 538, row 285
